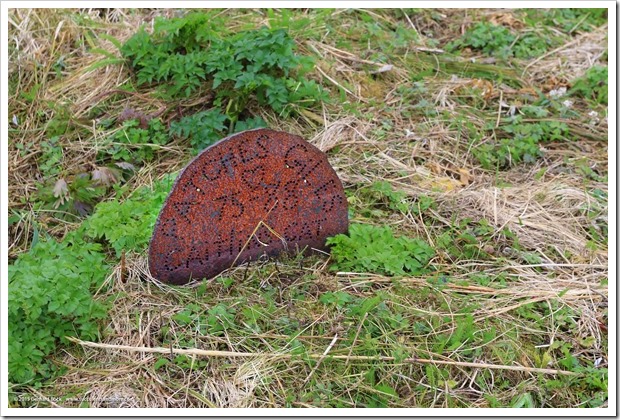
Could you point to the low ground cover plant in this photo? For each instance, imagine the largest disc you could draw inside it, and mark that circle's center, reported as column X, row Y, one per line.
column 473, row 151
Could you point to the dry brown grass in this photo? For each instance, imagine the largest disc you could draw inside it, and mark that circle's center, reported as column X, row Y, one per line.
column 417, row 154
column 570, row 60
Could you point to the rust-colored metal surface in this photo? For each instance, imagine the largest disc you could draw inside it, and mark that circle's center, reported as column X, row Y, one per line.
column 253, row 193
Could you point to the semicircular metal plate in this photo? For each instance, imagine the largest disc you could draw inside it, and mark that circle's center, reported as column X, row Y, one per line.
column 253, row 193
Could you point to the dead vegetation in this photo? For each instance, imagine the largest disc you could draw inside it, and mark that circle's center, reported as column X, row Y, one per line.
column 375, row 133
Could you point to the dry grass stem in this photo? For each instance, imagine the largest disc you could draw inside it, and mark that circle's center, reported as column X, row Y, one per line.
column 276, row 356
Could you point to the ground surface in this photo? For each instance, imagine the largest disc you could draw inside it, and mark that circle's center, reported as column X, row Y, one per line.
column 480, row 133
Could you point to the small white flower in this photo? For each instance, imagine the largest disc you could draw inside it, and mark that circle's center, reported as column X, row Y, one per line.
column 557, row 93
column 595, row 119
column 567, row 103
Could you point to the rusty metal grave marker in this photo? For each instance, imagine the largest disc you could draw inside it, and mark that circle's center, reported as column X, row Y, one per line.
column 253, row 193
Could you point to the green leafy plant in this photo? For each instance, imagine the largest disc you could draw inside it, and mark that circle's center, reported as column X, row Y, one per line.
column 203, row 128
column 75, row 196
column 376, row 250
column 190, row 53
column 593, row 85
column 519, row 139
column 135, row 144
column 50, row 287
column 490, row 39
column 395, row 200
column 206, row 127
column 250, row 124
column 128, row 225
column 213, row 321
column 67, row 196
column 50, row 298
column 466, row 240
column 568, row 19
column 499, row 41
column 51, row 158
column 463, row 333
column 339, row 298
column 592, row 385
column 60, row 123
column 530, row 45
column 523, row 401
column 376, row 198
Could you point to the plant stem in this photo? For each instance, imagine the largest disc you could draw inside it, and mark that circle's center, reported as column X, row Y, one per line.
column 218, row 353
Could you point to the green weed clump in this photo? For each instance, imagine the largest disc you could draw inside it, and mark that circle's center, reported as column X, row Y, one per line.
column 50, row 298
column 67, row 196
column 51, row 286
column 128, row 225
column 135, row 144
column 75, row 196
column 534, row 40
column 379, row 199
column 214, row 321
column 206, row 127
column 519, row 139
column 375, row 249
column 189, row 54
column 501, row 42
column 593, row 85
column 568, row 19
